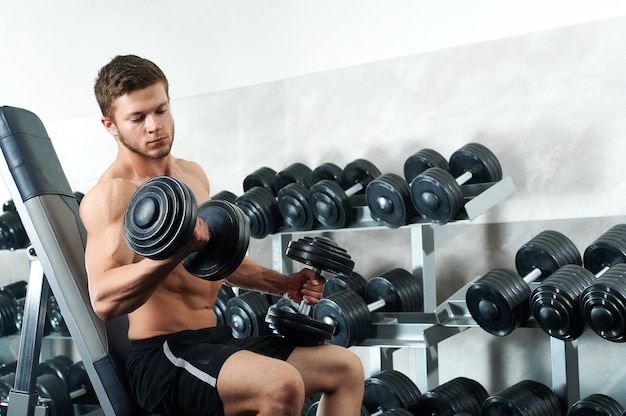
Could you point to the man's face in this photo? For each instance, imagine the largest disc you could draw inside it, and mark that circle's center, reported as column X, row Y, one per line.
column 143, row 122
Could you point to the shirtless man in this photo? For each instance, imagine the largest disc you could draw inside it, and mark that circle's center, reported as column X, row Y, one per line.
column 180, row 361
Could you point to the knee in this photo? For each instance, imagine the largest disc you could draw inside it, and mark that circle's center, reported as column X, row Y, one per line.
column 286, row 391
column 349, row 368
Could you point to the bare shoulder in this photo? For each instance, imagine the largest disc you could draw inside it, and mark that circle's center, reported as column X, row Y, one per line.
column 106, row 200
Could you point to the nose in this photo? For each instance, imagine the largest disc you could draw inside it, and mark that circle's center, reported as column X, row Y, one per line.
column 152, row 123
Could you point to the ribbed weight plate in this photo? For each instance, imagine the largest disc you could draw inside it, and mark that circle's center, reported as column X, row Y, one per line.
column 293, row 204
column 261, row 210
column 347, row 313
column 328, row 171
column 547, row 251
column 245, row 314
column 228, row 243
column 390, row 389
column 399, row 288
column 422, row 160
column 458, row 395
column 604, row 304
column 498, row 301
column 263, row 177
column 223, row 296
column 353, row 281
column 359, row 171
column 160, row 217
column 389, row 200
column 608, row 250
column 555, row 302
column 296, row 172
column 525, row 398
column 299, row 328
column 596, row 405
column 436, row 196
column 321, row 253
column 478, row 159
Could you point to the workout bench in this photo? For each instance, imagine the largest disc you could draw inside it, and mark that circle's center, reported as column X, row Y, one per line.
column 49, row 211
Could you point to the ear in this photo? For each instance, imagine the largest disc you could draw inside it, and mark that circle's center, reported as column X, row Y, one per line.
column 109, row 125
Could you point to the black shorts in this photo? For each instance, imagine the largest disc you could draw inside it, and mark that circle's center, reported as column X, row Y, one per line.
column 177, row 374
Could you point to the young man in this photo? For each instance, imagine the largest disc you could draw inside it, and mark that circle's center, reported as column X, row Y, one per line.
column 180, row 362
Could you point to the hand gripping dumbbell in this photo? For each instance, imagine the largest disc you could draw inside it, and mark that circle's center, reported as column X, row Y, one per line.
column 499, row 300
column 349, row 314
column 458, row 395
column 161, row 216
column 555, row 302
column 437, row 194
column 322, row 254
column 245, row 314
column 596, row 405
column 333, row 205
column 293, row 199
column 525, row 398
column 389, row 197
column 259, row 204
column 390, row 389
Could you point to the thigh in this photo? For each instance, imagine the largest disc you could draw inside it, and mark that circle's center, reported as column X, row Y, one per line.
column 324, row 367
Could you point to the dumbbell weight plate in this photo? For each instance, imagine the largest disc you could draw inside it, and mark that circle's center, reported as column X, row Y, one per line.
column 400, row 289
column 460, row 394
column 223, row 296
column 160, row 217
column 261, row 211
column 51, row 387
column 293, row 204
column 328, row 171
column 263, row 177
column 421, row 160
column 604, row 304
column 390, row 389
column 245, row 314
column 227, row 245
column 547, row 251
column 524, row 398
column 225, row 196
column 389, row 200
column 479, row 160
column 294, row 173
column 353, row 281
column 297, row 327
column 436, row 196
column 78, row 379
column 608, row 250
column 596, row 405
column 320, row 253
column 348, row 315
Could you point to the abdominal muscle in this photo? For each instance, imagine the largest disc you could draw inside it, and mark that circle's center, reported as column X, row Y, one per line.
column 180, row 303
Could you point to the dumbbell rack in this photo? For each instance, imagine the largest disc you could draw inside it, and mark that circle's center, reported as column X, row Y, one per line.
column 420, row 333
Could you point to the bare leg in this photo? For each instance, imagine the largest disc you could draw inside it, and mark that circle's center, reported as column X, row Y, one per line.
column 337, row 373
column 252, row 384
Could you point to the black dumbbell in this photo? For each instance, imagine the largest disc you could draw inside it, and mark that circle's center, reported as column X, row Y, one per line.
column 260, row 205
column 603, row 301
column 596, row 405
column 458, row 395
column 63, row 393
column 390, row 389
column 12, row 307
column 262, row 177
column 293, row 199
column 225, row 195
column 333, row 205
column 223, row 296
column 555, row 302
column 389, row 197
column 322, row 254
column 437, row 194
column 161, row 216
column 349, row 314
column 353, row 281
column 245, row 314
column 12, row 233
column 499, row 300
column 525, row 398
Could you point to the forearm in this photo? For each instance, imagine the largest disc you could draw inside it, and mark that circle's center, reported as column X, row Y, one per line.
column 253, row 276
column 123, row 289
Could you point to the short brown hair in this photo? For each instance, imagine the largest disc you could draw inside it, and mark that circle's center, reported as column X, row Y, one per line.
column 124, row 74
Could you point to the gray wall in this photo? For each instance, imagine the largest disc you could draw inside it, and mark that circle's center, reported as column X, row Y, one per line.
column 549, row 104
